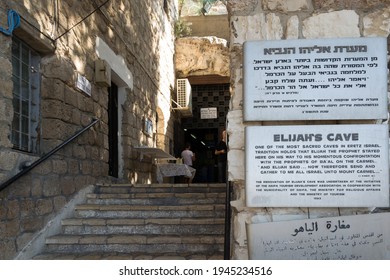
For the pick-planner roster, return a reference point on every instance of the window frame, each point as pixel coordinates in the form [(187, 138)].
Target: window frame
[(25, 128)]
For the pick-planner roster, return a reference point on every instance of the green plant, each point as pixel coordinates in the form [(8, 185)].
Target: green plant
[(182, 29)]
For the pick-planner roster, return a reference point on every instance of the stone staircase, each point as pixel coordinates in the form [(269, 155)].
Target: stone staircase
[(144, 222)]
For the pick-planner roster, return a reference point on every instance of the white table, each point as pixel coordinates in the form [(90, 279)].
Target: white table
[(154, 153), (174, 169)]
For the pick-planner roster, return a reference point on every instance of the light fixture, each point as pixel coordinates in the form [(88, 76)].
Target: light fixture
[(207, 4), (206, 7)]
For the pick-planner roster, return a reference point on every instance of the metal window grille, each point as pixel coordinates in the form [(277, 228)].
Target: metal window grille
[(25, 77)]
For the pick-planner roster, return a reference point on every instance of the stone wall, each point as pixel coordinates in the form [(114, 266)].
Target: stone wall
[(210, 25), (279, 20), (137, 40), (202, 56)]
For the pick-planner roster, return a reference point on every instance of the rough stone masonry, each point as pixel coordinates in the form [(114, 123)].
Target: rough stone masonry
[(279, 20)]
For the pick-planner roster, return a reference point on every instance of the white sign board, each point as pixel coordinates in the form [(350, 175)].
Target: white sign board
[(341, 78), (83, 84), (359, 237), (148, 127), (317, 166), (208, 113)]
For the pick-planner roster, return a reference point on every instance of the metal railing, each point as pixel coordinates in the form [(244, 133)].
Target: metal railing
[(228, 223), (46, 156)]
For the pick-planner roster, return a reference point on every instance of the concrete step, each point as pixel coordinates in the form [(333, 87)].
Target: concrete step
[(160, 188), (144, 226), (128, 256), (129, 244), (149, 211), (157, 198)]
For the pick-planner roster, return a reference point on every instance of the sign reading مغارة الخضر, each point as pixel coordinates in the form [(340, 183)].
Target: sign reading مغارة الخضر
[(317, 166), (334, 79)]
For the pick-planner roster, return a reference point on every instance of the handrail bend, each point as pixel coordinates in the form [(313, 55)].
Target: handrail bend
[(46, 156)]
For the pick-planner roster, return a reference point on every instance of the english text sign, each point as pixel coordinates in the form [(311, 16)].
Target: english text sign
[(317, 166)]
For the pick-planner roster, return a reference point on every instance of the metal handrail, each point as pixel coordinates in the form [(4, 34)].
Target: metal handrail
[(228, 217), (46, 156)]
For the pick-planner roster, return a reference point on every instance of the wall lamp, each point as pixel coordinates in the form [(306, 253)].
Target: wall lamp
[(207, 4), (206, 7)]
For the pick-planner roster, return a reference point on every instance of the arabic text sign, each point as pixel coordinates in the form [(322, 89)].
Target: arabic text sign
[(341, 78), (317, 166), (208, 113), (360, 237)]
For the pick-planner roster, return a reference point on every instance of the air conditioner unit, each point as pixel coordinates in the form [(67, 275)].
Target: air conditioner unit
[(184, 97)]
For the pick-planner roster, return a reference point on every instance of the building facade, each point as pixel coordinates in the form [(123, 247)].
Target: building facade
[(281, 20), (70, 62), (65, 64)]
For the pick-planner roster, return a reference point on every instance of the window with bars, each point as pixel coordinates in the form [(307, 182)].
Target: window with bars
[(26, 81)]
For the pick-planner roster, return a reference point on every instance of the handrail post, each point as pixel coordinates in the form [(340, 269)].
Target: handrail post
[(46, 156), (227, 221)]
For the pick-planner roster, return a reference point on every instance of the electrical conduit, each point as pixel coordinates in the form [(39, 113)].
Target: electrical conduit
[(13, 22)]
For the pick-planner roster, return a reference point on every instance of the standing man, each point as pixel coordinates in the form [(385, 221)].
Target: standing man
[(221, 153), (188, 157)]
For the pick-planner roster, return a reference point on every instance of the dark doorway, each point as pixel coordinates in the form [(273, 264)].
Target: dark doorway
[(203, 132), (113, 130), (203, 142)]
